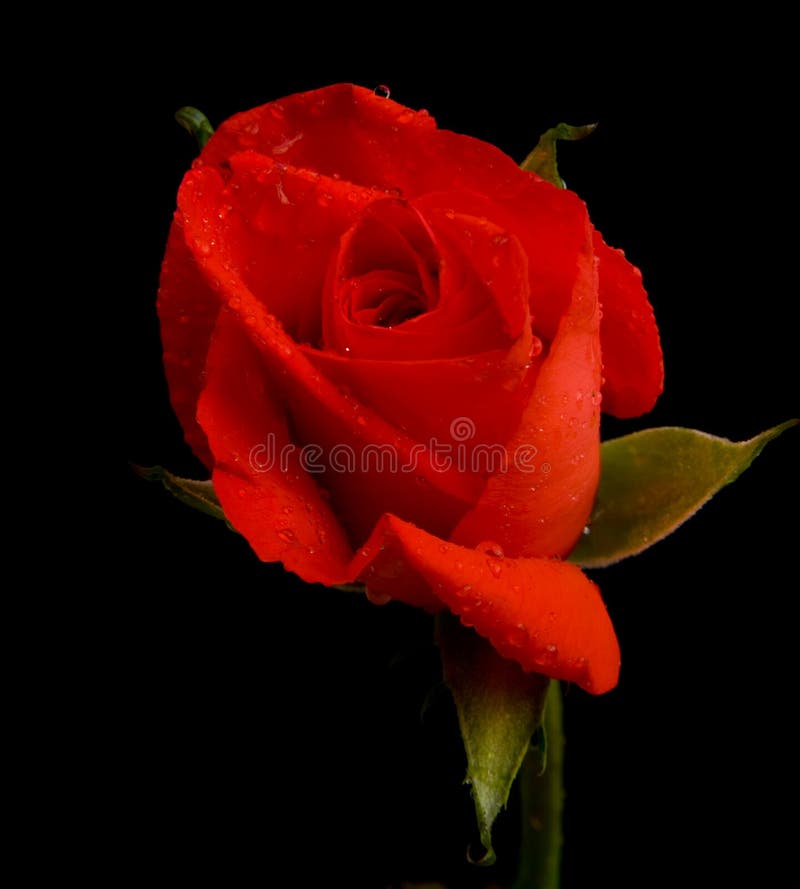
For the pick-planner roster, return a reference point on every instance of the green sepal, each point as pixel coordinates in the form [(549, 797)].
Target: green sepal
[(197, 494), (195, 123), (542, 160), (499, 709), (652, 481)]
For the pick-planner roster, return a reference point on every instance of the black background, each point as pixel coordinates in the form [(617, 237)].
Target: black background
[(254, 726)]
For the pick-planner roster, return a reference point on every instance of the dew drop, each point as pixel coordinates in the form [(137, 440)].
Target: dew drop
[(490, 548), (382, 91), (494, 567), (458, 565), (287, 535), (361, 420), (517, 636), (586, 530), (499, 240), (536, 347), (241, 493), (463, 592), (287, 510), (377, 598)]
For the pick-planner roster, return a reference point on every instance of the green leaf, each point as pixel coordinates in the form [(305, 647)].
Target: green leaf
[(195, 123), (542, 160), (499, 708), (652, 481), (198, 494)]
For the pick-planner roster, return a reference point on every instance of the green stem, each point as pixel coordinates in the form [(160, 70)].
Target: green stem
[(543, 804)]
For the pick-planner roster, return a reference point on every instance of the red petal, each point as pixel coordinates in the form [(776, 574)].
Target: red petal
[(480, 303), (265, 492), (340, 130), (547, 222), (187, 309), (540, 505), (454, 405), (280, 226), (544, 614), (633, 365)]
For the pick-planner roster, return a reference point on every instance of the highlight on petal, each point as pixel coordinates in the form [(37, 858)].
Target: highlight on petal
[(542, 613), (633, 365)]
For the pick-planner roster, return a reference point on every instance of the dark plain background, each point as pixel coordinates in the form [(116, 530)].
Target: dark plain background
[(259, 731)]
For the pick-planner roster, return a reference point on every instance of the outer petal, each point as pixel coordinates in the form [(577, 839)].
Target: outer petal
[(187, 309), (347, 132), (540, 505), (265, 492), (632, 362), (548, 222), (280, 227), (544, 614)]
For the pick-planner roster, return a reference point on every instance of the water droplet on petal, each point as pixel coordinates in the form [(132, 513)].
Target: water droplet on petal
[(495, 567), (377, 598), (382, 91), (536, 347), (287, 535), (517, 636), (490, 548), (241, 493), (287, 510)]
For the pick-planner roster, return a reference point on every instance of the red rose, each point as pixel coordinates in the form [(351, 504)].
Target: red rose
[(385, 341)]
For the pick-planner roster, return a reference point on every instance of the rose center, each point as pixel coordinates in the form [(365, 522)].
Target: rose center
[(386, 298)]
